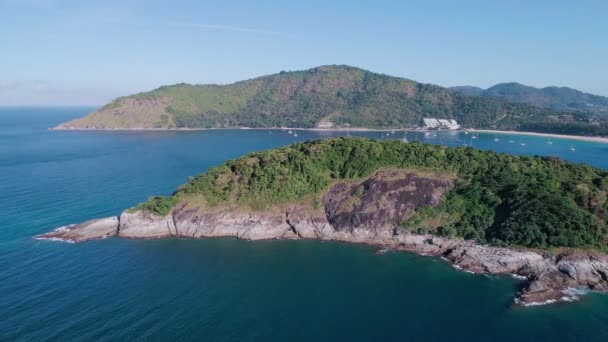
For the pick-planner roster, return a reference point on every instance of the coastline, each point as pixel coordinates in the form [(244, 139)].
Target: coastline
[(603, 140), (546, 278)]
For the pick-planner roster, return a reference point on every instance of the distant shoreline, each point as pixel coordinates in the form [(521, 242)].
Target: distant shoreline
[(548, 135), (342, 129)]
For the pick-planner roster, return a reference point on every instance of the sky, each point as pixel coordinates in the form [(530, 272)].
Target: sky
[(89, 52)]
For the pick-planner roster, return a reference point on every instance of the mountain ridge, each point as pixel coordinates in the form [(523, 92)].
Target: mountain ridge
[(343, 95), (553, 97), (326, 97)]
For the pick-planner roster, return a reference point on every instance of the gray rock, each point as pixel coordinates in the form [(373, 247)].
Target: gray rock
[(369, 213), (90, 230)]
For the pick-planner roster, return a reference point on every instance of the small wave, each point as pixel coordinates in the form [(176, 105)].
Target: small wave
[(462, 269), (571, 294), (54, 239), (548, 301)]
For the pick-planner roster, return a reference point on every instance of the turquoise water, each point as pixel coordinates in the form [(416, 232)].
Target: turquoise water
[(225, 289)]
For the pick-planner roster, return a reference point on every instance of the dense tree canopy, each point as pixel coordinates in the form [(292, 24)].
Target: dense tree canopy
[(343, 95), (537, 202)]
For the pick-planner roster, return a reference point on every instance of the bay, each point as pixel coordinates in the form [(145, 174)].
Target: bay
[(226, 289)]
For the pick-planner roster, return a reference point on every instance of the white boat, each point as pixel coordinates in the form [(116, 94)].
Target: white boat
[(572, 149), (295, 134), (496, 140), (289, 132)]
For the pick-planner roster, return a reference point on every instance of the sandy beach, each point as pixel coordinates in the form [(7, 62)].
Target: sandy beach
[(548, 135), (345, 129)]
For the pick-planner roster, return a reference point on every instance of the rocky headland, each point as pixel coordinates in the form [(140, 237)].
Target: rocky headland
[(367, 212)]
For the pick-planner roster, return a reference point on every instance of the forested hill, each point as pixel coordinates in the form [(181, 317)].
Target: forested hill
[(536, 202), (556, 98), (342, 95)]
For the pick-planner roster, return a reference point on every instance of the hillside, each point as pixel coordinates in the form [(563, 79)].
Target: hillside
[(556, 98), (535, 202), (342, 95)]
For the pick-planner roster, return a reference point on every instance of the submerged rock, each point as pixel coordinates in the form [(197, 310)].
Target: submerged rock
[(89, 230)]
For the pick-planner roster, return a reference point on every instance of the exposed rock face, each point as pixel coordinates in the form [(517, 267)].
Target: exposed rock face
[(387, 198), (145, 225), (90, 230), (368, 213)]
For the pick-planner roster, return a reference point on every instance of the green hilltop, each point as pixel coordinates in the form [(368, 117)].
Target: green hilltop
[(342, 95), (539, 202)]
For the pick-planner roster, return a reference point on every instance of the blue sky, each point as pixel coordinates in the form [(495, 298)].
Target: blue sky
[(88, 52)]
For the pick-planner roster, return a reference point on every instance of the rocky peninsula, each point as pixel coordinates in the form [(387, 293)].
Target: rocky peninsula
[(407, 208)]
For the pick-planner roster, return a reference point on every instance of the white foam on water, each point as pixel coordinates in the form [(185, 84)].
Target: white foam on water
[(571, 294), (462, 269), (54, 239), (549, 301)]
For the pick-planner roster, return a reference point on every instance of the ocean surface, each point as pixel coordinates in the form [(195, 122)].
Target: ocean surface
[(226, 289)]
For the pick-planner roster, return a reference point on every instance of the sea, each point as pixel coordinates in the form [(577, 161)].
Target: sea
[(228, 289)]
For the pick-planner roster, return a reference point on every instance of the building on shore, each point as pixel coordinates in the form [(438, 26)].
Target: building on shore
[(432, 123)]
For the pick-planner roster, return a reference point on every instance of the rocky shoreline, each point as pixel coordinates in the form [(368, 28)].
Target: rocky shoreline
[(370, 212), (548, 278)]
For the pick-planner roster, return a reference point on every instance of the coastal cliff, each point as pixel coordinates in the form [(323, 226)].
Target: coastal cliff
[(540, 219), (548, 278), (386, 198)]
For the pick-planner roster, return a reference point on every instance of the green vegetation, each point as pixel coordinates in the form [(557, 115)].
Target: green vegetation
[(158, 205), (556, 98), (341, 94), (538, 202)]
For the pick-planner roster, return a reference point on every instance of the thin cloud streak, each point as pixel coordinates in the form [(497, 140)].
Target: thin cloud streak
[(220, 27)]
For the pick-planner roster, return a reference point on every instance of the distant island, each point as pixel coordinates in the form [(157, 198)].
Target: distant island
[(539, 218), (327, 97)]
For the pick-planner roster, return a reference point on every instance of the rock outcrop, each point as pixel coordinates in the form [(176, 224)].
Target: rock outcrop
[(368, 212), (90, 230)]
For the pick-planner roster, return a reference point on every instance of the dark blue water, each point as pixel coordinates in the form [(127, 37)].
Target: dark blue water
[(225, 289)]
